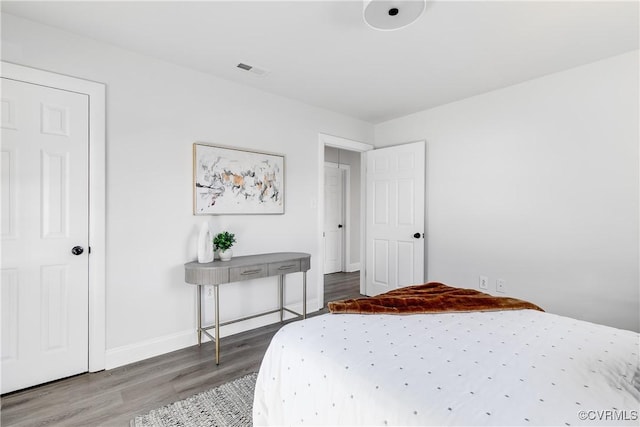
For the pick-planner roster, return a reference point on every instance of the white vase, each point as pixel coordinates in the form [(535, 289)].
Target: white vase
[(225, 255), (205, 244)]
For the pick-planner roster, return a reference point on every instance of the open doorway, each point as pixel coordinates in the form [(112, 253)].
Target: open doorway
[(341, 174), (341, 211), (395, 238)]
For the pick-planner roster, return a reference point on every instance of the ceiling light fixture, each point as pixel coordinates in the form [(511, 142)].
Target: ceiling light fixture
[(388, 15)]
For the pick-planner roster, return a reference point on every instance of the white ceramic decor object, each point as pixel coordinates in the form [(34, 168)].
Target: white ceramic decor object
[(205, 244)]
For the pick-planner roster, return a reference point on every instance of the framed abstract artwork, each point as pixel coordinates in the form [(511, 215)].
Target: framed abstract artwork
[(230, 181)]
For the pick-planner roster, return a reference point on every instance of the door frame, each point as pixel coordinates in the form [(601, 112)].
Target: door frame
[(96, 93), (346, 144), (346, 212)]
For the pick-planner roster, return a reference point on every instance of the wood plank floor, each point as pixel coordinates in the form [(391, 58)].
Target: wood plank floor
[(112, 398)]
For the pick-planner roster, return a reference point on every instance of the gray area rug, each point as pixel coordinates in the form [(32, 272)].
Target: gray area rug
[(227, 405)]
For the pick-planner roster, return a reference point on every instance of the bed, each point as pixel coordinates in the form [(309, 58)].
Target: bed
[(514, 367)]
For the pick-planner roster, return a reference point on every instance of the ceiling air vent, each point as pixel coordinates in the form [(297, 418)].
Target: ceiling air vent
[(260, 72)]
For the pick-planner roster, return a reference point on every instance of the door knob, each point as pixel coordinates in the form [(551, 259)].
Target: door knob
[(77, 250), (417, 235), (339, 225)]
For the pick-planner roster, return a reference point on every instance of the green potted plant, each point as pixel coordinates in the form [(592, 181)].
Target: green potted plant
[(223, 243)]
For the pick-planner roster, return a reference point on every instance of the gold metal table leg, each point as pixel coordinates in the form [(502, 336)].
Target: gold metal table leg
[(304, 295), (199, 311), (217, 298), (281, 296)]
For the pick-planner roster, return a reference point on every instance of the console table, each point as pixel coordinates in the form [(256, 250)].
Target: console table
[(240, 268)]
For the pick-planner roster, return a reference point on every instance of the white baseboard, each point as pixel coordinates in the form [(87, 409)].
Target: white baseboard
[(354, 266), (132, 353)]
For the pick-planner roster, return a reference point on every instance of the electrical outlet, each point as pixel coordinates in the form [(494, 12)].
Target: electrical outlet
[(501, 286), (483, 282), (209, 291)]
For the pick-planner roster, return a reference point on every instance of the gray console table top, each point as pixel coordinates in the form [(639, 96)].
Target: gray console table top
[(246, 267), (241, 261)]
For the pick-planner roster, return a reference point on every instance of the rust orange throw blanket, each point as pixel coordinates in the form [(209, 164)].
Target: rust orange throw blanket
[(431, 297)]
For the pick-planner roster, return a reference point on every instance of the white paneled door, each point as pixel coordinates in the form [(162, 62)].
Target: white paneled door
[(45, 263), (395, 217), (333, 218)]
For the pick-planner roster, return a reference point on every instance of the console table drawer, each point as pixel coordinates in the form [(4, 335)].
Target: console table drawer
[(247, 272), (284, 267)]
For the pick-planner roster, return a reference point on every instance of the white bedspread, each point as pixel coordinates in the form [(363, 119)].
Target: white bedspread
[(485, 368)]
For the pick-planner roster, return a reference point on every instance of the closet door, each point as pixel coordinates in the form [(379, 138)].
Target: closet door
[(45, 229)]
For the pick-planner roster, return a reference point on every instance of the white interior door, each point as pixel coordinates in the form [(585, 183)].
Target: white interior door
[(45, 137), (333, 218), (395, 197)]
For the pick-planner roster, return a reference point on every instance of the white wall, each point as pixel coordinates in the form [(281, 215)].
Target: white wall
[(155, 111), (352, 159), (537, 184)]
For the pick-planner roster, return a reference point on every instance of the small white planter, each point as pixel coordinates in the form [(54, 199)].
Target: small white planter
[(225, 255)]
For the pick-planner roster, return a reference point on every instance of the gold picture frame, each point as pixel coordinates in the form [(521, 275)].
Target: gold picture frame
[(232, 181)]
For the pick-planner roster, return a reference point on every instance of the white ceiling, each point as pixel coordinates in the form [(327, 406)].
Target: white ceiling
[(322, 53)]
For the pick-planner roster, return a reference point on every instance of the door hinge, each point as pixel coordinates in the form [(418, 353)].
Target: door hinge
[(89, 250)]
